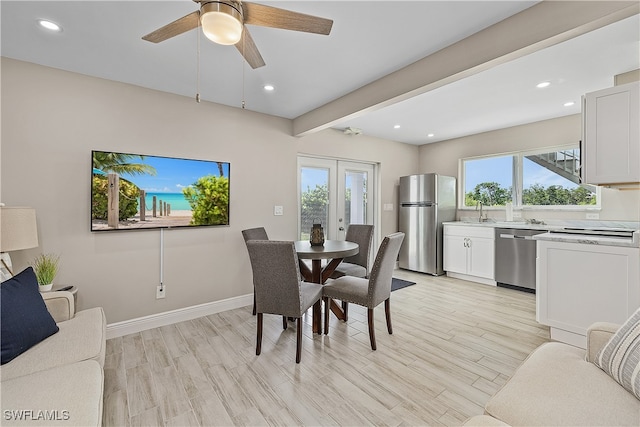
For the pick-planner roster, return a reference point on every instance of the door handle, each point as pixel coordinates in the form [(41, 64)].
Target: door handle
[(341, 228)]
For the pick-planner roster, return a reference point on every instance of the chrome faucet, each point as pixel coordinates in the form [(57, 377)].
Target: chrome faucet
[(479, 204)]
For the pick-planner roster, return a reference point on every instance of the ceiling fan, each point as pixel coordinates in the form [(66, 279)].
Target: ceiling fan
[(224, 22)]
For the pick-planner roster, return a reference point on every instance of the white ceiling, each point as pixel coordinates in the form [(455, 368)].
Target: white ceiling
[(369, 40)]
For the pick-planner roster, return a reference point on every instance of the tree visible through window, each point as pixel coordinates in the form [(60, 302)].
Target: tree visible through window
[(549, 178)]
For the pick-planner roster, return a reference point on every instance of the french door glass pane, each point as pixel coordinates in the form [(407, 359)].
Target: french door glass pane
[(314, 198), (355, 204)]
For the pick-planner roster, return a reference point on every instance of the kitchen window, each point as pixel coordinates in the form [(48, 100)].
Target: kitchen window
[(540, 179)]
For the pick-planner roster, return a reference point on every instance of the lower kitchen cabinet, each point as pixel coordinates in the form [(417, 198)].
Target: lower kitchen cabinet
[(469, 253), (579, 284)]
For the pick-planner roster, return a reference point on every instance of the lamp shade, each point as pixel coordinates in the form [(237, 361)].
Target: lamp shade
[(221, 23), (18, 229)]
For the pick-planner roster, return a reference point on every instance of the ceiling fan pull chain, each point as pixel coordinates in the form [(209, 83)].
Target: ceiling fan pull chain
[(243, 68), (198, 65)]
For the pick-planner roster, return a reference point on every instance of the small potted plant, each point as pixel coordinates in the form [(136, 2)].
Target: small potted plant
[(46, 267)]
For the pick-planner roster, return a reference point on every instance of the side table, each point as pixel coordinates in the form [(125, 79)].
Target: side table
[(73, 290)]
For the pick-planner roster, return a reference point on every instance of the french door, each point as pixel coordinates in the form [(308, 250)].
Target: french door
[(334, 193)]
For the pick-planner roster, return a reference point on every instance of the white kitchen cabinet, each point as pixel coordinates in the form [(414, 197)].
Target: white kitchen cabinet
[(611, 139), (469, 253), (579, 284)]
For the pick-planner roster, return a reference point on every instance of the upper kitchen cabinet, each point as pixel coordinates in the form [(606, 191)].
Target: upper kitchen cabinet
[(611, 139)]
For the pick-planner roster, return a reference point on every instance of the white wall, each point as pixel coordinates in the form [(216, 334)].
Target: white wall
[(52, 119), (443, 157)]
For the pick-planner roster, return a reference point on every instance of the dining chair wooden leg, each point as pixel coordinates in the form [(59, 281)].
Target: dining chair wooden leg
[(259, 334), (327, 309), (317, 308), (254, 304), (299, 341), (372, 331), (345, 309), (387, 312), (284, 322)]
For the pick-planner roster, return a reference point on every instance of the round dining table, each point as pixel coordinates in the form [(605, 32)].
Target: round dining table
[(334, 251)]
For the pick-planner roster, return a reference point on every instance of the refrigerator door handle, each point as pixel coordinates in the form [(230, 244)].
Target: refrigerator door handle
[(417, 204)]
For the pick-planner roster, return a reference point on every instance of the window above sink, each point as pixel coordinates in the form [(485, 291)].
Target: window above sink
[(541, 179)]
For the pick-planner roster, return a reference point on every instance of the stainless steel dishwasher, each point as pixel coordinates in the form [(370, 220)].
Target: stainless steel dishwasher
[(515, 258)]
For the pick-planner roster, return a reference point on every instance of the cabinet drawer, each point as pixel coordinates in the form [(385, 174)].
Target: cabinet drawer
[(469, 231)]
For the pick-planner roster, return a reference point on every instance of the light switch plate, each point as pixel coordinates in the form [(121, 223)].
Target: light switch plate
[(387, 207), (278, 210)]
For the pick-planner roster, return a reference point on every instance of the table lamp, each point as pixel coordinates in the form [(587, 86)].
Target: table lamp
[(18, 230)]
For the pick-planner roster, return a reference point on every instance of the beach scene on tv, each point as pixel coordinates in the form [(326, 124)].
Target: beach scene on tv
[(132, 191)]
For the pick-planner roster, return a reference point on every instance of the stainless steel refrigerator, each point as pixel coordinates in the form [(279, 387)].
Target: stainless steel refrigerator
[(426, 201)]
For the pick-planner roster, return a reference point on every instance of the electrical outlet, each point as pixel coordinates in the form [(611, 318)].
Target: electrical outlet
[(278, 210), (160, 292), (517, 214), (593, 216)]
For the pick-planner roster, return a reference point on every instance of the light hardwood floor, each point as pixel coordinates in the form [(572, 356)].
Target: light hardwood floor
[(454, 344)]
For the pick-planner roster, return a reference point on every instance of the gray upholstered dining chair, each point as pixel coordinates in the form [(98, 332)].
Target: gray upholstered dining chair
[(279, 288), (358, 264), (368, 292), (258, 233)]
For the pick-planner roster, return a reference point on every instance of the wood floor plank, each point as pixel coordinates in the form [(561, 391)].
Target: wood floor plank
[(115, 410), (133, 349), (170, 393), (209, 410), (192, 376), (455, 343), (141, 390)]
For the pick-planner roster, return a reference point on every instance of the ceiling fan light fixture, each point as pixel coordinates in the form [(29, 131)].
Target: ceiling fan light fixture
[(221, 22)]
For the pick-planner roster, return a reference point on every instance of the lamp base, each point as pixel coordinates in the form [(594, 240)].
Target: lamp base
[(6, 271)]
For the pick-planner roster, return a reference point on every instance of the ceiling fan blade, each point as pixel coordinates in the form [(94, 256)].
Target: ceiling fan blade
[(269, 16), (249, 50), (175, 28)]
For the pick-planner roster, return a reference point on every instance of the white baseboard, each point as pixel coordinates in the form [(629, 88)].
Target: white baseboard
[(132, 326)]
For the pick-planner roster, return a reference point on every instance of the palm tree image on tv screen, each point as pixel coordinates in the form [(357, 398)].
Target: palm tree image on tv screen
[(134, 191)]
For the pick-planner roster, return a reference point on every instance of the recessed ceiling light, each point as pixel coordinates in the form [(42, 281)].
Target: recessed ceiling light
[(543, 84), (269, 88), (51, 26), (430, 135), (396, 126), (569, 104)]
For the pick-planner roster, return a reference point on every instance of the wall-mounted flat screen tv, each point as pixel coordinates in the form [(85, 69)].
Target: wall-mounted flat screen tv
[(135, 191)]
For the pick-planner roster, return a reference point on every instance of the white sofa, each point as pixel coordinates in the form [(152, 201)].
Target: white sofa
[(559, 385), (59, 381)]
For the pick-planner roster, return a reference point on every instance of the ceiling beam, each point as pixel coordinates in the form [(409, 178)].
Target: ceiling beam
[(545, 24)]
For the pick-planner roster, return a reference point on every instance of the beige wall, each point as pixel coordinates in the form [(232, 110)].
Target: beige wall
[(51, 120), (442, 157)]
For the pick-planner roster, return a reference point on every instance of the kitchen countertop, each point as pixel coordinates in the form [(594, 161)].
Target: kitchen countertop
[(506, 224), (555, 225), (592, 240)]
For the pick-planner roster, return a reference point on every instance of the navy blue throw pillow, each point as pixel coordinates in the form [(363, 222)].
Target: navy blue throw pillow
[(24, 318)]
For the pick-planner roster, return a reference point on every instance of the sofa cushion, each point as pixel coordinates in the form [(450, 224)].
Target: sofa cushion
[(620, 357), (24, 318), (66, 395), (557, 386), (80, 338)]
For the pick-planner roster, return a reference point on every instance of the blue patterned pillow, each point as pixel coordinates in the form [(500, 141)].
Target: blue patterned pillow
[(24, 318), (620, 357)]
